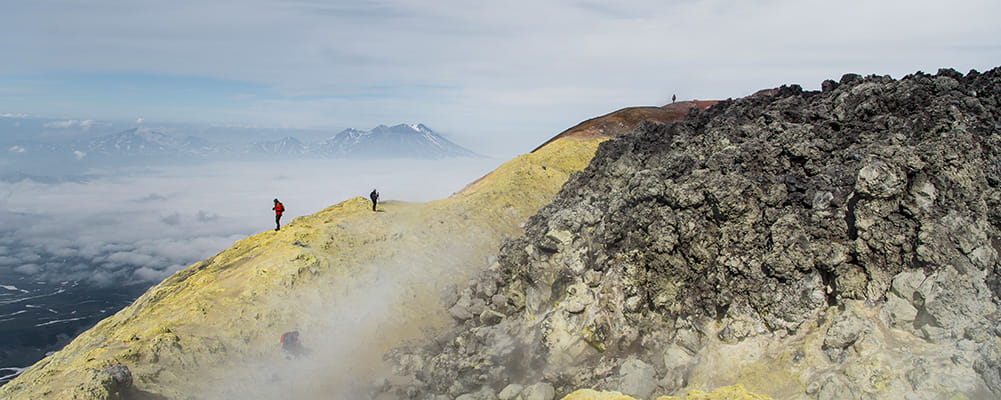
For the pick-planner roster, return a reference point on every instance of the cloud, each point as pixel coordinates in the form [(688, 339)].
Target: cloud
[(153, 275), (172, 219), (152, 197), (79, 154), (85, 124), (16, 149), (139, 120), (205, 216), (490, 71), (28, 269), (13, 115), (130, 258)]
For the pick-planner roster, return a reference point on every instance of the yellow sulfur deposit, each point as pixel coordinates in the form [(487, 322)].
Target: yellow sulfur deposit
[(591, 394), (735, 392), (321, 274)]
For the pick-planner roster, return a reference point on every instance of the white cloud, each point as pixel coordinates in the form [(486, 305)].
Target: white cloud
[(154, 275), (13, 115), (84, 124), (28, 269), (491, 71), (131, 258), (16, 149), (79, 154), (139, 120)]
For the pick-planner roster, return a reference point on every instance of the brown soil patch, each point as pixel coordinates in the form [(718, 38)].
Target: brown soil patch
[(625, 120)]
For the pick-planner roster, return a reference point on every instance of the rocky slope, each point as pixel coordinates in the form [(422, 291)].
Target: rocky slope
[(840, 244), (354, 283)]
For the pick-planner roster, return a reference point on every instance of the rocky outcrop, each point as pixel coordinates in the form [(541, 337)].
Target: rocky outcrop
[(840, 244)]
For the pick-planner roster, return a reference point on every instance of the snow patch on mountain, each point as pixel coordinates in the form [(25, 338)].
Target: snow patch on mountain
[(398, 141)]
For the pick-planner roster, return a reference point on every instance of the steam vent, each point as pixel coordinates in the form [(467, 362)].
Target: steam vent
[(833, 244)]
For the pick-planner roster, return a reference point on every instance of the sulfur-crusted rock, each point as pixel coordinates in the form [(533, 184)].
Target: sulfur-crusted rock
[(113, 382), (817, 245), (591, 394), (735, 392), (846, 329)]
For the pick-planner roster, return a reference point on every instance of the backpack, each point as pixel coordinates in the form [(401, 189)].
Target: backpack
[(290, 338)]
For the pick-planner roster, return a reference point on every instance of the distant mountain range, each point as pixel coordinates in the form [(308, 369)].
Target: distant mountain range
[(400, 141), (142, 142)]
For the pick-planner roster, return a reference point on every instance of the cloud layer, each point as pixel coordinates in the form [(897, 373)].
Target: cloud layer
[(490, 70)]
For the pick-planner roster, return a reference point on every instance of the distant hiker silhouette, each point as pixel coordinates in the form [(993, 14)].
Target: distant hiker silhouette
[(291, 344), (375, 198), (279, 209), (674, 98)]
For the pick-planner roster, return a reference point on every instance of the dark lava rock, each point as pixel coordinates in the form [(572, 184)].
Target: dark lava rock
[(760, 217)]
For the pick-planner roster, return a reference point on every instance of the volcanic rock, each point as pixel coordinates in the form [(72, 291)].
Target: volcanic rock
[(809, 245)]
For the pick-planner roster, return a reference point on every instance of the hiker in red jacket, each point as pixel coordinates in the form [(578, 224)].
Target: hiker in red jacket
[(279, 209), (291, 344)]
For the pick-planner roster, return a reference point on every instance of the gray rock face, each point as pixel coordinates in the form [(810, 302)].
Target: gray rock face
[(637, 378), (510, 392), (538, 391), (868, 214), (117, 379)]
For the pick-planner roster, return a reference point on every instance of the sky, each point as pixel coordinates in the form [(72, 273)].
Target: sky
[(498, 77)]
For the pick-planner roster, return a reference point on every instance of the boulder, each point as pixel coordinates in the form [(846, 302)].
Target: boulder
[(538, 391), (637, 378)]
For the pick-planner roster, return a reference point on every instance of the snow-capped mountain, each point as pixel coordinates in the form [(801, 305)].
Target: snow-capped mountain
[(146, 142), (399, 141), (288, 146), (339, 144)]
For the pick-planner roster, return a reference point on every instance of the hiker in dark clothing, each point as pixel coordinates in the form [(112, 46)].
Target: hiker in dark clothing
[(674, 98), (279, 209), (291, 344), (375, 198)]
